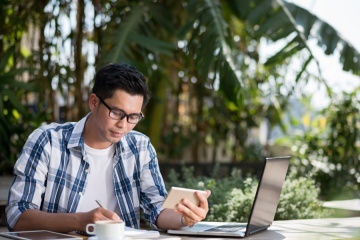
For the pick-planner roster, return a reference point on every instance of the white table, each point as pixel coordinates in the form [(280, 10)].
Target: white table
[(351, 204), (327, 228)]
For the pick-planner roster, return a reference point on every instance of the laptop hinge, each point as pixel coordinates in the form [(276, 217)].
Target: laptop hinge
[(257, 230)]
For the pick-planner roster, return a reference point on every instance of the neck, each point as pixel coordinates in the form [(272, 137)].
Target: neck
[(92, 138)]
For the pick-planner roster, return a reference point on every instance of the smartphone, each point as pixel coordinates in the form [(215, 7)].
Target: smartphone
[(177, 193)]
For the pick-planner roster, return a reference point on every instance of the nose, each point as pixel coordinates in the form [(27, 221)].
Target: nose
[(122, 122)]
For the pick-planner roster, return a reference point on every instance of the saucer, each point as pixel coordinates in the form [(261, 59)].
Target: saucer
[(96, 238)]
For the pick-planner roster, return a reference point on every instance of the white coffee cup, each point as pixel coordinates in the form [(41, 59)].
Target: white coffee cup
[(107, 229)]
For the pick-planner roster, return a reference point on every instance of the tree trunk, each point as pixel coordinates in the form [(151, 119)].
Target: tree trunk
[(79, 64)]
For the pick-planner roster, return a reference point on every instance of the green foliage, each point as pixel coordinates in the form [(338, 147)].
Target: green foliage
[(231, 197), (299, 199), (16, 120), (329, 149), (183, 45), (210, 48)]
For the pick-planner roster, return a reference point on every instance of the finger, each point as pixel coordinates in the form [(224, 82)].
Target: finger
[(186, 205), (188, 222), (203, 203), (208, 193), (191, 212), (110, 215), (192, 219)]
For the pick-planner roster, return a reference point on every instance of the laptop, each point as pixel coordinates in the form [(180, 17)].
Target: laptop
[(263, 208)]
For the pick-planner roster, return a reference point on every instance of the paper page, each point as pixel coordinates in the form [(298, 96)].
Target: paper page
[(139, 233)]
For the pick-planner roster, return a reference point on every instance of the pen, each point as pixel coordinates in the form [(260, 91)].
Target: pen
[(98, 202)]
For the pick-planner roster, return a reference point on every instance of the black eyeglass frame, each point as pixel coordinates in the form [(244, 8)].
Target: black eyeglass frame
[(122, 113)]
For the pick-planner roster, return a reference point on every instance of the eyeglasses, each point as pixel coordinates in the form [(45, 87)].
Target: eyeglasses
[(119, 114)]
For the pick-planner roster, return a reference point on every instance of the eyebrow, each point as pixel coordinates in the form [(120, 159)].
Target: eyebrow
[(115, 108), (119, 109)]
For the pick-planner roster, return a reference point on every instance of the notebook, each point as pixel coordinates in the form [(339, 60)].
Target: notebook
[(263, 208)]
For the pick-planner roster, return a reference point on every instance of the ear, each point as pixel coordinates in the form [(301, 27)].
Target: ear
[(93, 101)]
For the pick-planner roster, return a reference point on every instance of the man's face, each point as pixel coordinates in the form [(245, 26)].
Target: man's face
[(107, 130)]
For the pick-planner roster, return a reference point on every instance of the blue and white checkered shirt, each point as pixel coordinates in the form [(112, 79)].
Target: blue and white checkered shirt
[(51, 175)]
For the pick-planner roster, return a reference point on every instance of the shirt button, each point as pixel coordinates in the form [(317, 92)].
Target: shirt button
[(80, 193), (87, 171)]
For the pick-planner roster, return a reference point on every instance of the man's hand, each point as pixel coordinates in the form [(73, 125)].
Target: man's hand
[(192, 213), (96, 215), (33, 219)]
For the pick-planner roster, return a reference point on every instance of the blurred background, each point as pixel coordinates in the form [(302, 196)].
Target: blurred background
[(232, 82)]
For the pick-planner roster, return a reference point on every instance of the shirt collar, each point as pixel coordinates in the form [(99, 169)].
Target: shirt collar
[(77, 137)]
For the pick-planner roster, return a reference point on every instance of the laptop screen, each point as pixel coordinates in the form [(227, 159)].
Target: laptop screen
[(263, 208), (268, 194)]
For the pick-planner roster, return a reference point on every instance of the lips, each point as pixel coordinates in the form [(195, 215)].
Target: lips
[(116, 134)]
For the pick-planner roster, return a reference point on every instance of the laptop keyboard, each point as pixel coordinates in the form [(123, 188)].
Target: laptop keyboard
[(228, 228)]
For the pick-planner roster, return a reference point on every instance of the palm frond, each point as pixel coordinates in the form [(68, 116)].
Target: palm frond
[(5, 58), (120, 39), (278, 20), (133, 34), (14, 101), (211, 48)]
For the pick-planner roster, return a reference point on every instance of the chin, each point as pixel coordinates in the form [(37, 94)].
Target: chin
[(115, 139)]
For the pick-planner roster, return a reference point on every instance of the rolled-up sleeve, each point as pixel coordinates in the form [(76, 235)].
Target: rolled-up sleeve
[(138, 181), (30, 173), (153, 191)]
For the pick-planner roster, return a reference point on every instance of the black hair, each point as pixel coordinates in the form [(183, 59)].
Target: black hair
[(120, 76)]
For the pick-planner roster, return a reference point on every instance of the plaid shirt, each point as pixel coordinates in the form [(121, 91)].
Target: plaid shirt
[(51, 175)]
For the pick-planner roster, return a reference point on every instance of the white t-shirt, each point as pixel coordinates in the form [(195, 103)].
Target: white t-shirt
[(100, 184)]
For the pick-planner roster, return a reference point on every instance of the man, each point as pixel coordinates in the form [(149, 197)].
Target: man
[(64, 168)]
